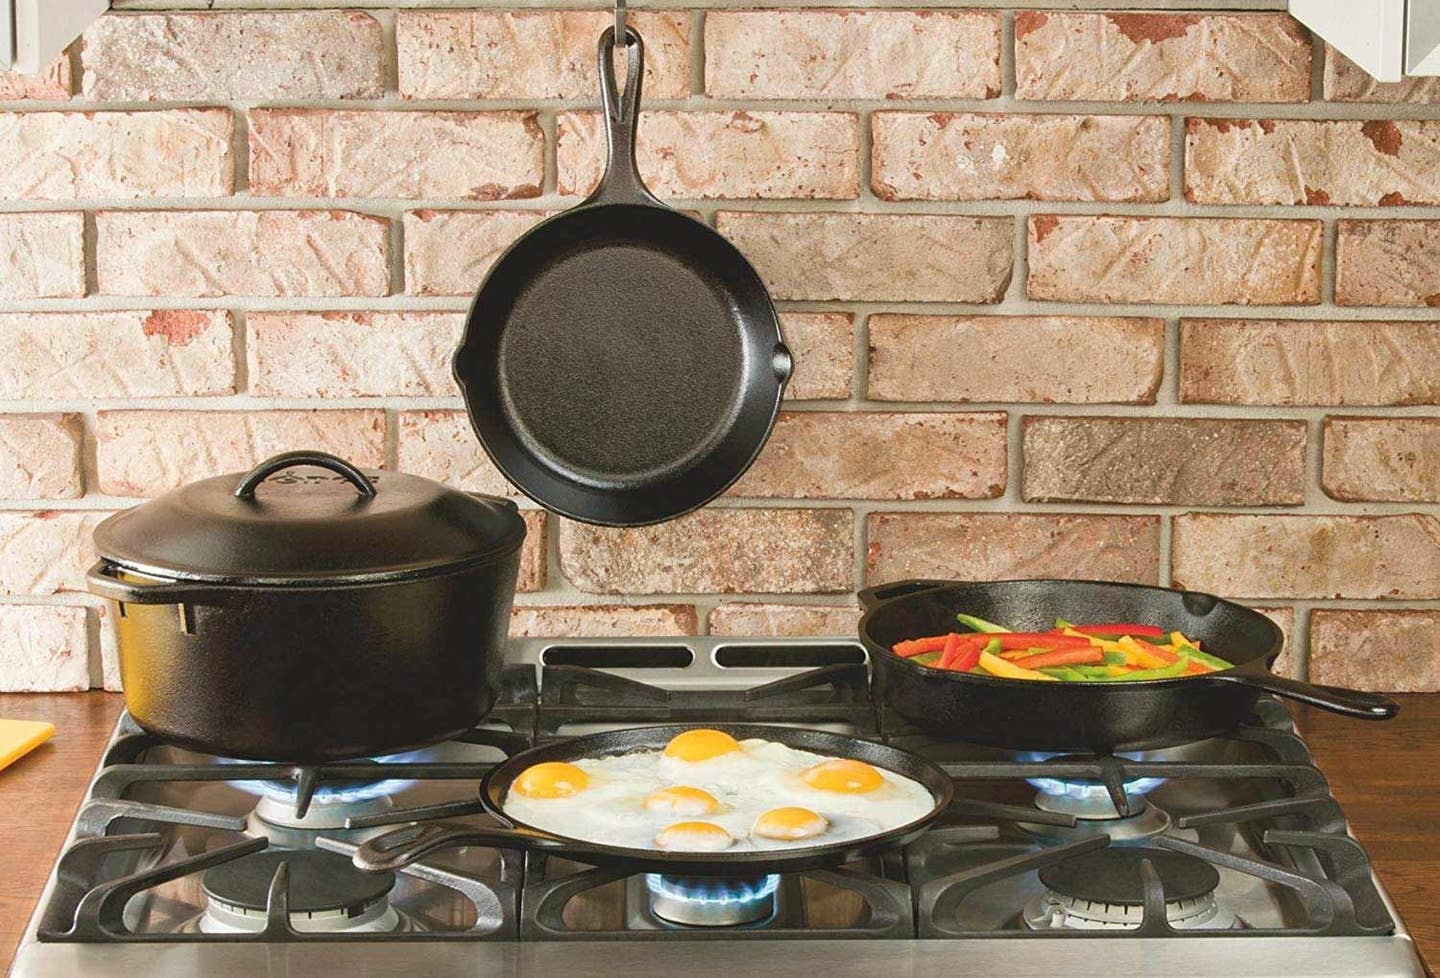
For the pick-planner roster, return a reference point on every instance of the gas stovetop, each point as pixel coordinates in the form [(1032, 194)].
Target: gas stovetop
[(1224, 857)]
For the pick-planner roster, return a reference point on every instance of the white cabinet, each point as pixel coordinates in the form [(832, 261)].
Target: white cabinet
[(1388, 38), (32, 32)]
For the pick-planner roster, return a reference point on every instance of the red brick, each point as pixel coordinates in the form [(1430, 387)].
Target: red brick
[(1003, 546), (46, 552), (876, 257), (42, 256), (533, 555), (518, 54), (1306, 161), (839, 54), (215, 253), (602, 620), (321, 54), (76, 155), (1388, 459), (715, 551), (1064, 359), (1165, 461), (870, 455), (324, 153), (969, 156), (144, 453), (1303, 362), (1345, 81), (1394, 651), (782, 620), (722, 154), (1388, 263), (441, 445), (1286, 664), (1308, 556), (80, 355), (40, 456), (1131, 57), (352, 354), (1174, 260), (43, 648), (822, 344), (449, 252), (53, 84)]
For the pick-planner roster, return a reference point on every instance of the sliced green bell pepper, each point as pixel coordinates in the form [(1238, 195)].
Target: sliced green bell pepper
[(979, 624)]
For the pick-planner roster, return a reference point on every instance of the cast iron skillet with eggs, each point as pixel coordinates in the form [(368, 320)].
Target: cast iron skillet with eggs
[(807, 846)]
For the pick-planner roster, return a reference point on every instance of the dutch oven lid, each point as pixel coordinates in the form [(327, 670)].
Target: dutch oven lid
[(309, 518)]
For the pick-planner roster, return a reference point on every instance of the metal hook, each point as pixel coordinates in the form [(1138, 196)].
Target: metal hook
[(620, 36)]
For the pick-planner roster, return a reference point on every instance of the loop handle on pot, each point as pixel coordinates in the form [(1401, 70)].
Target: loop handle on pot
[(621, 181), (103, 580), (285, 460)]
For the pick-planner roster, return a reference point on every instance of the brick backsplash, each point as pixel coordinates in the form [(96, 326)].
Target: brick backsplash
[(1147, 295)]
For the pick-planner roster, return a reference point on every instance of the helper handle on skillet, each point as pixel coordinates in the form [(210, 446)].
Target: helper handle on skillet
[(1350, 702), (880, 593), (621, 183), (400, 847)]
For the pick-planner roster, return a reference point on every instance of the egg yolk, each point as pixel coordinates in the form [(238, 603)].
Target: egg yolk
[(845, 776), (701, 745), (694, 837), (553, 779), (790, 823), (681, 800)]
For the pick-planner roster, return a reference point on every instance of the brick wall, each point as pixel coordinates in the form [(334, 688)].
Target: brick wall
[(1145, 296)]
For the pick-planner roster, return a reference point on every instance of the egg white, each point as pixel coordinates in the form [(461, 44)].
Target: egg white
[(760, 776)]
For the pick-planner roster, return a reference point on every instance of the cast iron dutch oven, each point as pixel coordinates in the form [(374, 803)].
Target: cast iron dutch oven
[(401, 847), (1083, 717), (310, 614)]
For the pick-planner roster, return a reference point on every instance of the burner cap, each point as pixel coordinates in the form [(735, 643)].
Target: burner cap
[(1112, 875), (319, 881)]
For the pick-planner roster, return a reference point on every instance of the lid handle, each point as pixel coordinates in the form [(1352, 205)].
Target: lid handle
[(285, 460)]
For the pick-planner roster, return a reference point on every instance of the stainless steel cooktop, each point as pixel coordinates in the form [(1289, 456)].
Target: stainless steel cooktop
[(1225, 857)]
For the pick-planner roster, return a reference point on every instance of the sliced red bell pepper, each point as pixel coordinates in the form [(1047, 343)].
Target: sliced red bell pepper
[(962, 651), (1038, 640), (918, 646), (1062, 657), (1120, 628)]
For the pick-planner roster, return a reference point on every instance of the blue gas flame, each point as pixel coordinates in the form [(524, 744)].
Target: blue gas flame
[(709, 890), (1084, 789)]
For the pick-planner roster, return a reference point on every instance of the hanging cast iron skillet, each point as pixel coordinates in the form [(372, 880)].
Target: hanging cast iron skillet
[(1084, 717), (401, 847), (622, 363)]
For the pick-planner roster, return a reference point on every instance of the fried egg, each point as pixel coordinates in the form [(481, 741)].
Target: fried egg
[(789, 824), (694, 837), (707, 792)]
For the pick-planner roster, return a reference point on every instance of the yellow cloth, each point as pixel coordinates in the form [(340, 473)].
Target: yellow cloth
[(20, 737)]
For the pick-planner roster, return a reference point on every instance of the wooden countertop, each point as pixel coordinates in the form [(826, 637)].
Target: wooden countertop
[(1382, 773)]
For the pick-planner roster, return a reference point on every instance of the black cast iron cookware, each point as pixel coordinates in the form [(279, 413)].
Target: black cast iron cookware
[(1083, 717), (622, 363), (308, 611), (401, 847)]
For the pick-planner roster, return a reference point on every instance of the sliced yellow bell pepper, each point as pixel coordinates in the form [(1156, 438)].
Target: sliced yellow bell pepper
[(1136, 654), (1177, 639), (997, 666)]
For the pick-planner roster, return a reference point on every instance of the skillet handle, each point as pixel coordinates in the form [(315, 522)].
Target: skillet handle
[(880, 593), (400, 847), (1336, 699), (621, 182)]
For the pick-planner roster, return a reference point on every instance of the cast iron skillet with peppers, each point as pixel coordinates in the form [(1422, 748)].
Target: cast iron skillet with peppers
[(988, 687)]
